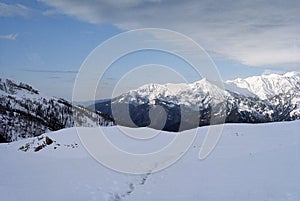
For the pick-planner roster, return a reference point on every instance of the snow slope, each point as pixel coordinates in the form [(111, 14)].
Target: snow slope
[(252, 162)]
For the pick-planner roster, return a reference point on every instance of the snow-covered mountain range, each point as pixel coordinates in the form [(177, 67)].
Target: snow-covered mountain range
[(25, 112), (266, 98)]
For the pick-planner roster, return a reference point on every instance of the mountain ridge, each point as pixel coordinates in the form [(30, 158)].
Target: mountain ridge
[(256, 99), (25, 112)]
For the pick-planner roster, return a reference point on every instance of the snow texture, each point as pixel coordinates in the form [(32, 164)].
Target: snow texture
[(251, 162)]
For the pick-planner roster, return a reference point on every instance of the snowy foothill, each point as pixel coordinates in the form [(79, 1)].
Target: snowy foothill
[(251, 162)]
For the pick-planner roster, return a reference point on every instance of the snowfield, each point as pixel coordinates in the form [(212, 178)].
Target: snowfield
[(252, 162)]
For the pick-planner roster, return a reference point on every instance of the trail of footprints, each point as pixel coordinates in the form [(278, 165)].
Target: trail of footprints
[(131, 188)]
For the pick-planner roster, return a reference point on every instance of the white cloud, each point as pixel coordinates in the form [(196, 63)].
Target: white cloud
[(255, 33), (9, 37), (8, 10)]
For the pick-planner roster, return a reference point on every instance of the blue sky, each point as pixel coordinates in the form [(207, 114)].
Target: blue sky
[(45, 42)]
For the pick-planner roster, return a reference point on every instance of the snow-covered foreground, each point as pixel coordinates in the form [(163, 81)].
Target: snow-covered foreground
[(250, 163)]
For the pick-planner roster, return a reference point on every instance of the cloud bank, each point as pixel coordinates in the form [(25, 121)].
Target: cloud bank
[(254, 33)]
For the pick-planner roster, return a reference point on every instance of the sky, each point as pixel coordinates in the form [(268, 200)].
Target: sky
[(45, 42)]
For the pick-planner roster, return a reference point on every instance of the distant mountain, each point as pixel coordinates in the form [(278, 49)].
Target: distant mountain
[(88, 103), (258, 99), (25, 112), (268, 86)]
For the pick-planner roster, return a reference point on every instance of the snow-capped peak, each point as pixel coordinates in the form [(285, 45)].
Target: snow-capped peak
[(267, 86), (263, 87), (179, 93), (292, 74), (255, 99)]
